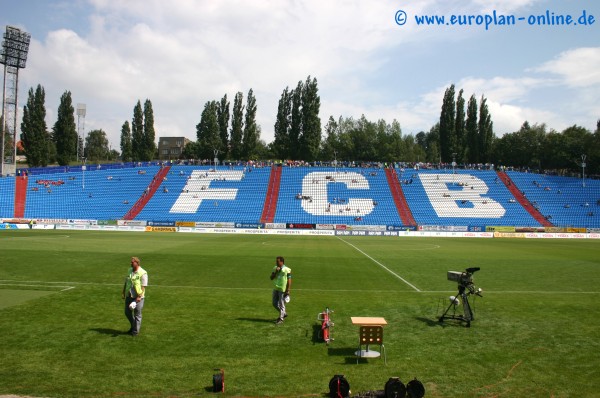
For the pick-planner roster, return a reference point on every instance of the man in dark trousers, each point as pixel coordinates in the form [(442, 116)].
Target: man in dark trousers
[(282, 279), (134, 292)]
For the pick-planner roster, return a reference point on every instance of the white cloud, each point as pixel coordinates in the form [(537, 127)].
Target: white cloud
[(508, 118), (578, 67), (504, 6), (502, 89), (180, 56)]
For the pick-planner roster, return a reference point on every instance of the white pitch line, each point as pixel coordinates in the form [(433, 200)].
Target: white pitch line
[(50, 284), (65, 288), (381, 265)]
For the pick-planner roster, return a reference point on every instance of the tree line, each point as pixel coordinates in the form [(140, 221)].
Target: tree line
[(464, 133), (62, 144), (467, 135), (217, 137), (137, 139)]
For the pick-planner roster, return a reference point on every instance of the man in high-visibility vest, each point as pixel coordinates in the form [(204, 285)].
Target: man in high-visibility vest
[(282, 280), (134, 292)]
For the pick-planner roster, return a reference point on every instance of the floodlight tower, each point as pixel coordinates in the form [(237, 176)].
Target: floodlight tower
[(13, 56), (583, 170), (335, 160), (80, 128), (453, 166), (216, 159)]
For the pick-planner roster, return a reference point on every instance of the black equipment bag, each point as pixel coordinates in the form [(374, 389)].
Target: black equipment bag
[(415, 389), (394, 388), (339, 387), (219, 382)]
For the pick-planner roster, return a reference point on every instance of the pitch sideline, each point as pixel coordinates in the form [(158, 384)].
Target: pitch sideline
[(381, 265)]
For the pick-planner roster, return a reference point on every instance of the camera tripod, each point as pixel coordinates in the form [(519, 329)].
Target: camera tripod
[(463, 293)]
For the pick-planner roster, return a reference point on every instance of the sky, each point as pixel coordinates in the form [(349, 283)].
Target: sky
[(370, 58)]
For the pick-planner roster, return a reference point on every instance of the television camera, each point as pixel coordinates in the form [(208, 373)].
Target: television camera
[(466, 288)]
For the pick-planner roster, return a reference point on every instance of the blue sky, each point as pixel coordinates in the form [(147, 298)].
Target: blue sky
[(182, 53)]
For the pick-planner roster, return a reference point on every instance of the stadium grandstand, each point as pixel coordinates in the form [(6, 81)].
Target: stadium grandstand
[(253, 195)]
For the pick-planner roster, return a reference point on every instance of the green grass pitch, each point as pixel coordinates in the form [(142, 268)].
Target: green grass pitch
[(536, 332)]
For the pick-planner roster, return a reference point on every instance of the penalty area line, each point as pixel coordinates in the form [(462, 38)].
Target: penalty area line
[(63, 288), (381, 265)]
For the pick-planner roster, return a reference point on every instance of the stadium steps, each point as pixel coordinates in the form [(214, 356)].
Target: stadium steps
[(523, 200), (20, 196), (145, 198), (399, 199), (270, 206)]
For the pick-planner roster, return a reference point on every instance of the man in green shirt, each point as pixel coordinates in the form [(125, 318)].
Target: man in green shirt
[(282, 279), (134, 292)]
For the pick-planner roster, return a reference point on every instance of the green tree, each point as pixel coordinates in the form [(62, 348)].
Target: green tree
[(191, 150), (137, 134), (310, 139), (364, 134), (281, 142), (411, 146), (330, 146), (237, 126), (433, 149), (263, 151), (296, 122), (553, 154), (397, 143), (34, 132), (447, 125), (594, 152), (521, 148), (577, 141), (223, 117), (64, 132), (459, 128), (207, 131), (472, 131), (149, 146), (345, 138), (421, 139), (96, 146), (251, 133), (126, 150), (486, 132)]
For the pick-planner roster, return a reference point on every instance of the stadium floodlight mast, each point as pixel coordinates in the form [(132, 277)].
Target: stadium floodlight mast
[(583, 170), (80, 128), (13, 56), (216, 159), (83, 168), (335, 160), (453, 165)]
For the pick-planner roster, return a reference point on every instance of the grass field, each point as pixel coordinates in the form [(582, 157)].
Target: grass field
[(536, 333)]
